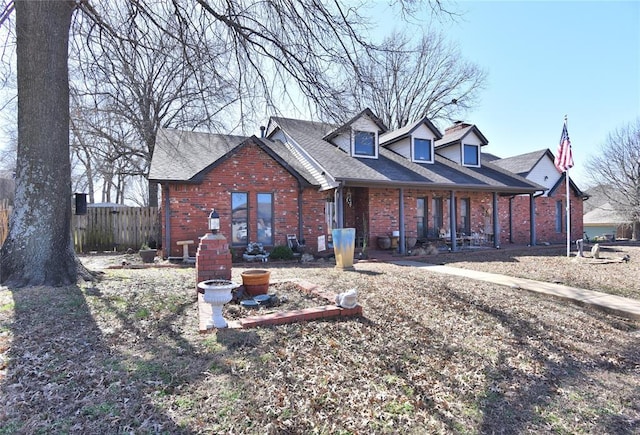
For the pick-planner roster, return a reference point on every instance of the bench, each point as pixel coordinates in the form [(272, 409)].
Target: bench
[(185, 249)]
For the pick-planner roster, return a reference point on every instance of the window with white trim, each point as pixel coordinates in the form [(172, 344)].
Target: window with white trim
[(422, 150), (470, 155), (364, 143)]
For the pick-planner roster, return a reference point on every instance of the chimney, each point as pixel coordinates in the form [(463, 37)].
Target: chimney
[(457, 125), (262, 129)]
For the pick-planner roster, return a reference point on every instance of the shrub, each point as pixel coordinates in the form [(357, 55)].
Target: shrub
[(281, 252)]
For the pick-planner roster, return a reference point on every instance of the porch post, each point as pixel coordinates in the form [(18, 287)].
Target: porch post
[(166, 249), (340, 207), (532, 220), (496, 234), (452, 220), (401, 242)]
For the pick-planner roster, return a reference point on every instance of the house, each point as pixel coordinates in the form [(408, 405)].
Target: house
[(601, 219), (550, 205), (604, 222), (305, 178)]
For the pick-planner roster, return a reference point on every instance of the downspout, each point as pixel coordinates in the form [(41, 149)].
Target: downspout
[(340, 206), (300, 216), (167, 222), (511, 219), (532, 220), (401, 244), (496, 235), (452, 221)]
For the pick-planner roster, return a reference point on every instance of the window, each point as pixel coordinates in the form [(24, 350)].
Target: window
[(437, 215), (465, 222), (265, 218), (558, 216), (422, 150), (239, 228), (471, 155), (421, 217), (364, 143)]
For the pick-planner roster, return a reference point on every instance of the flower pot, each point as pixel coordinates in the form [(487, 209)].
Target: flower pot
[(384, 242), (256, 281), (148, 255), (344, 242)]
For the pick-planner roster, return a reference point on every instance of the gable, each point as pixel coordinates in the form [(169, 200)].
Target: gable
[(536, 166), (361, 130), (454, 151), (407, 144), (179, 155), (187, 156)]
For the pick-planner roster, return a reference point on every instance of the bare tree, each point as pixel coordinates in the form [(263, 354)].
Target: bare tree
[(403, 81), (618, 162), (300, 43), (136, 78), (38, 248)]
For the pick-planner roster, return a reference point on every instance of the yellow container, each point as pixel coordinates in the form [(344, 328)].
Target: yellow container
[(344, 242)]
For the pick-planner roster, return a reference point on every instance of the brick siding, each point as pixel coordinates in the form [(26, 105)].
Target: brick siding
[(250, 169)]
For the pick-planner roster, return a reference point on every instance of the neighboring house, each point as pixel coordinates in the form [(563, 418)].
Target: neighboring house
[(605, 222), (550, 205), (306, 177), (601, 219)]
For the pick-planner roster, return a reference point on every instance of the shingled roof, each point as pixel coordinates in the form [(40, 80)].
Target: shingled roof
[(183, 156), (186, 155), (392, 169), (393, 136), (458, 132), (524, 163)]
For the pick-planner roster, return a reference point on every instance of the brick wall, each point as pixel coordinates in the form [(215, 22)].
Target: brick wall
[(545, 218), (248, 169), (545, 214), (383, 212)]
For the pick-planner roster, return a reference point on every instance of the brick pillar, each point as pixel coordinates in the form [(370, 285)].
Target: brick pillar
[(213, 258)]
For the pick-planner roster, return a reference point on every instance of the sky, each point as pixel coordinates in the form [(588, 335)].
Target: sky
[(548, 59), (544, 60)]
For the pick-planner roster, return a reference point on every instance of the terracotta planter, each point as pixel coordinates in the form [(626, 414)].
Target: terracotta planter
[(256, 281)]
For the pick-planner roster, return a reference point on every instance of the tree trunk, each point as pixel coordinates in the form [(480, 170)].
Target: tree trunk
[(38, 250)]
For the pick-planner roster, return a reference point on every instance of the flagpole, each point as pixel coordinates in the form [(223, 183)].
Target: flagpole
[(566, 180)]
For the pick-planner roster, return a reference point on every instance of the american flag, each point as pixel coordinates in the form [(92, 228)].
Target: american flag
[(564, 158)]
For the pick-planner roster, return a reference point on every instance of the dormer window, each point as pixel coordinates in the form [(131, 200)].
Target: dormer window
[(422, 150), (471, 155), (364, 143)]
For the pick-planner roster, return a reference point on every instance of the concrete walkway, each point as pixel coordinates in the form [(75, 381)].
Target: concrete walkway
[(618, 305)]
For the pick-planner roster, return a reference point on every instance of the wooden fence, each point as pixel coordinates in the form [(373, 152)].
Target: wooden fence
[(5, 212), (106, 229)]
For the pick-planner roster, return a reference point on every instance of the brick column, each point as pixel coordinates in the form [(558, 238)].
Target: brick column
[(213, 258)]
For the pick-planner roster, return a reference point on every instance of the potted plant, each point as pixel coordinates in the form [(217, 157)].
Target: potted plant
[(147, 254)]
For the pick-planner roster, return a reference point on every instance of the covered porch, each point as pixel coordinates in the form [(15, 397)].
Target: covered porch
[(410, 216)]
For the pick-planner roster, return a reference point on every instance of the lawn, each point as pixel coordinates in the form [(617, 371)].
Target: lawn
[(431, 354)]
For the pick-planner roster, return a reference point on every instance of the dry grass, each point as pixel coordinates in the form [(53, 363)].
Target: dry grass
[(432, 354)]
